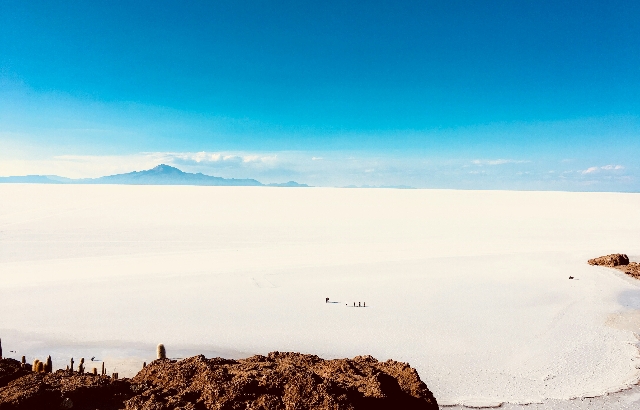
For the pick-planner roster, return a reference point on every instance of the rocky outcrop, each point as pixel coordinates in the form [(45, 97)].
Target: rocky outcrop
[(287, 381), (616, 259), (632, 269), (10, 370), (62, 390)]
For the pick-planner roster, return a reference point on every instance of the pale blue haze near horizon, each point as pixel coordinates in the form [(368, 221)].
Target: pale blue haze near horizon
[(461, 94)]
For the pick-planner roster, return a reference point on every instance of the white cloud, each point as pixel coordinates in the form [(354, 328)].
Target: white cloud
[(612, 167), (316, 158), (590, 170), (251, 158), (200, 156), (593, 170)]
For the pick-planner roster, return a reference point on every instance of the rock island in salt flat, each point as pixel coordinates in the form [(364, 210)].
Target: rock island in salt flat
[(619, 261), (468, 287), (277, 381)]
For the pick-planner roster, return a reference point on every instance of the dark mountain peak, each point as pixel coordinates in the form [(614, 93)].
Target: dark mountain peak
[(165, 169)]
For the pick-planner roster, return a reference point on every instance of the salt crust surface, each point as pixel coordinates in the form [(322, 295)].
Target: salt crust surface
[(469, 287)]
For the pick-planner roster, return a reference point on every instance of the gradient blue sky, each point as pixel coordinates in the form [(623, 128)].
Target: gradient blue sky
[(456, 94)]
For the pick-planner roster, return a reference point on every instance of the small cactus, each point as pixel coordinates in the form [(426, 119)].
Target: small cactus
[(161, 351), (81, 366), (0, 348), (71, 367), (103, 372), (23, 361), (95, 371), (48, 368)]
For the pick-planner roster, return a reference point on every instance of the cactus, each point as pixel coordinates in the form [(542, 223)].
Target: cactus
[(114, 376), (95, 371), (81, 366), (144, 364), (71, 367), (161, 351), (103, 372), (24, 360), (0, 348), (40, 367), (34, 367), (48, 368)]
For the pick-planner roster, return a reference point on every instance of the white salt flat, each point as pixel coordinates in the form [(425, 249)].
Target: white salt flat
[(469, 287)]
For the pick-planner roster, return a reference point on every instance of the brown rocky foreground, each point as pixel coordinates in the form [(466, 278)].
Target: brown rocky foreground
[(618, 261), (288, 381)]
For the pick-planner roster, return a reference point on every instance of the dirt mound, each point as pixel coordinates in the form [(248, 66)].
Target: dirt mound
[(62, 390), (632, 269), (287, 381), (616, 259), (10, 370)]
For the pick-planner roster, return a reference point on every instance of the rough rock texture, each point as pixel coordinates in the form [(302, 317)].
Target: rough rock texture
[(287, 381), (612, 260), (10, 370), (62, 390), (632, 269), (619, 261)]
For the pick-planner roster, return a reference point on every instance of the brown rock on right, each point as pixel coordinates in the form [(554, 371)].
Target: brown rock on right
[(616, 259), (632, 269)]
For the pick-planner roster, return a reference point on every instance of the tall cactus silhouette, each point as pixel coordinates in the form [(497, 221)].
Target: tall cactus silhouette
[(48, 368), (161, 352), (34, 367), (0, 348), (81, 366)]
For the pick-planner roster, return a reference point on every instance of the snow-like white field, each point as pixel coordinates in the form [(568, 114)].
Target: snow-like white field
[(469, 287)]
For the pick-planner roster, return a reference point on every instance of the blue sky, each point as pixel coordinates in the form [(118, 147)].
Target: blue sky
[(459, 94)]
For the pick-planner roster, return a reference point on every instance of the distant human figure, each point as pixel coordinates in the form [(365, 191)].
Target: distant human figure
[(359, 304), (326, 300), (354, 304), (364, 304)]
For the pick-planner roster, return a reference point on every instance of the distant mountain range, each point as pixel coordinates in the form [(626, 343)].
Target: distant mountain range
[(160, 175)]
